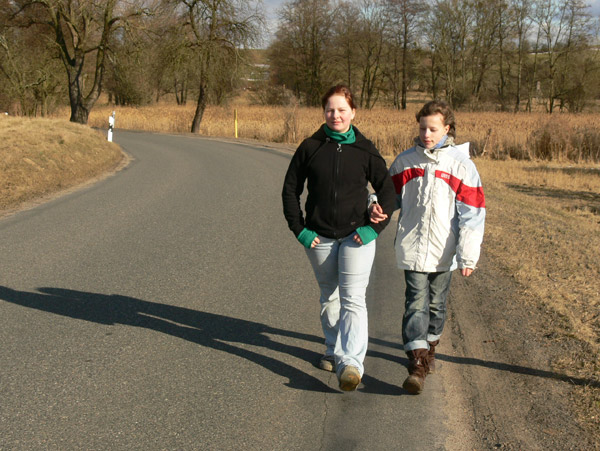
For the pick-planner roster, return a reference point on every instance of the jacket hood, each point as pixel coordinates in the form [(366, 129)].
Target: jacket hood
[(449, 142)]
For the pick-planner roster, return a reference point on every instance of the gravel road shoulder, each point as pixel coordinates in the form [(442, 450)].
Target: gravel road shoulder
[(499, 357)]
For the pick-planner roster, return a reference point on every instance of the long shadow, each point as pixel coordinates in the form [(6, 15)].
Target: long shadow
[(484, 363), (222, 333), (556, 193), (520, 370), (206, 329), (565, 170)]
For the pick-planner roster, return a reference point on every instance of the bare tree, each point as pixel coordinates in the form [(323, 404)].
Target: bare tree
[(345, 26), (300, 52), (449, 26), (484, 41), (81, 30), (405, 17), (522, 23), (369, 49), (30, 71), (217, 28), (562, 28)]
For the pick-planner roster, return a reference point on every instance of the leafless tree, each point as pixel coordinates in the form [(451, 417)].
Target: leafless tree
[(81, 30), (405, 17), (369, 49), (218, 29), (302, 51)]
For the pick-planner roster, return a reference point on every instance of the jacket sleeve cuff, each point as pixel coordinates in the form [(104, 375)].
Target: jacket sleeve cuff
[(306, 237), (367, 234)]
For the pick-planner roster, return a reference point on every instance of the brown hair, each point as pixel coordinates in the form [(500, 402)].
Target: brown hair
[(339, 90), (439, 106)]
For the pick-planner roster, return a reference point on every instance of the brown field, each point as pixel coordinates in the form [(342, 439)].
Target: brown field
[(560, 137), (543, 228), (42, 156)]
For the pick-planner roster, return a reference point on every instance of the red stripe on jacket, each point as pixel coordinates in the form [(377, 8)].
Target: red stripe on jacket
[(406, 176), (470, 195)]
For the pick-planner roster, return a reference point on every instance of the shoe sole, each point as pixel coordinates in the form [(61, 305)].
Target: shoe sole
[(326, 365), (349, 381), (412, 385)]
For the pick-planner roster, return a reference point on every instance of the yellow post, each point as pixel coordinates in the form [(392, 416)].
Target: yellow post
[(235, 121)]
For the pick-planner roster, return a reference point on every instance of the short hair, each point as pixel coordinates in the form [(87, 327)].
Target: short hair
[(339, 90), (439, 106)]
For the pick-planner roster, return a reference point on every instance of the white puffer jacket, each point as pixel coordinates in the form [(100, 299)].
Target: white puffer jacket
[(442, 208)]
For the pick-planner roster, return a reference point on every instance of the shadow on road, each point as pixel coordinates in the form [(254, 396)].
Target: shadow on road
[(483, 363), (520, 370), (206, 329), (222, 333)]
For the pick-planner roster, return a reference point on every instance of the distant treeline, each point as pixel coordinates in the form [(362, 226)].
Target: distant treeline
[(510, 55)]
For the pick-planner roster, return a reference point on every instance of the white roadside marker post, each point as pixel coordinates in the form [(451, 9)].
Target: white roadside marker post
[(111, 126)]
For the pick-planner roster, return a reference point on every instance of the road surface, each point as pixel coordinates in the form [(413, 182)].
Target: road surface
[(169, 307)]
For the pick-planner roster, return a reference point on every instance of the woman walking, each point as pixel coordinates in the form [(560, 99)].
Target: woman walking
[(337, 162)]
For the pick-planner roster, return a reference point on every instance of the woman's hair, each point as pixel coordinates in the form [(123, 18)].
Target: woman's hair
[(439, 106), (339, 90)]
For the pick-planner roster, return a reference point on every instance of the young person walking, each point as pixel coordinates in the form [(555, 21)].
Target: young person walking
[(440, 228), (337, 162)]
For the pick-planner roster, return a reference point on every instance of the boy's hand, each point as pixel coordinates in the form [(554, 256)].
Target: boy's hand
[(466, 272), (376, 213)]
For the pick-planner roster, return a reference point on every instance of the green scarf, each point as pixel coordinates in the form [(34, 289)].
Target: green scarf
[(342, 138)]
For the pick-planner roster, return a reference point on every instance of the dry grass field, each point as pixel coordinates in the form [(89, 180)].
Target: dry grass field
[(559, 137), (543, 228), (42, 156)]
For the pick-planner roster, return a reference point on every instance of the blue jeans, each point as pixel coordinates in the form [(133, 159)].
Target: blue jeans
[(342, 268), (425, 308)]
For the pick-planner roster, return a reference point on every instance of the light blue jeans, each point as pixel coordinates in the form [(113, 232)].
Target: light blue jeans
[(425, 308), (342, 268)]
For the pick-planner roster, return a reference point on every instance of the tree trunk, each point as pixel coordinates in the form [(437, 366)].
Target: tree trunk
[(200, 107), (79, 114), (80, 110), (404, 64)]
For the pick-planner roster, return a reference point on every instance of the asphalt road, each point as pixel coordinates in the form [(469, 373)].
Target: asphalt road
[(169, 307)]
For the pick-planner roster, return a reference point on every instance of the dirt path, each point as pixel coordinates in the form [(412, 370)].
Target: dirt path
[(497, 359)]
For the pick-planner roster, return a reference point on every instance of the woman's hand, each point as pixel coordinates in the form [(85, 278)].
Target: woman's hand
[(466, 272), (315, 242), (376, 214), (357, 239)]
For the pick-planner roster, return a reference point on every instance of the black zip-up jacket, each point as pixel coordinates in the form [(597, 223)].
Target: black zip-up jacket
[(337, 176)]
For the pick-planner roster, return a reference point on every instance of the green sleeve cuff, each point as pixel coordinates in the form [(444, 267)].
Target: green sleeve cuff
[(366, 234), (306, 237)]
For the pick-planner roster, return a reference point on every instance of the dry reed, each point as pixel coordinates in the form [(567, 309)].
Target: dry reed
[(535, 136)]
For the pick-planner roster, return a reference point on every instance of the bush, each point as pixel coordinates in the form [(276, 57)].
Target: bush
[(553, 141)]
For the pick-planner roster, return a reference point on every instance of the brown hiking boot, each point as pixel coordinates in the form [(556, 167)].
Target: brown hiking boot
[(349, 378), (417, 371), (431, 356)]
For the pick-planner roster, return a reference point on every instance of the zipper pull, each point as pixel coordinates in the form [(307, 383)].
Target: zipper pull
[(339, 149)]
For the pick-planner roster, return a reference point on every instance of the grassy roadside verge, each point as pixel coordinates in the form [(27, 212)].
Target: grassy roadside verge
[(40, 157), (543, 229)]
